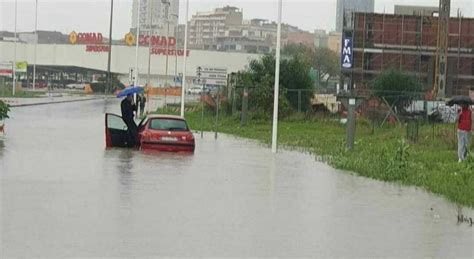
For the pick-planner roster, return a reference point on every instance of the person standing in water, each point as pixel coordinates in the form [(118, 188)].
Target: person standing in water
[(128, 108), (464, 132)]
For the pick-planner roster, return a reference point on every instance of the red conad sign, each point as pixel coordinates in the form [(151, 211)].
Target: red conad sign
[(97, 48), (89, 38), (170, 52), (6, 72), (145, 40)]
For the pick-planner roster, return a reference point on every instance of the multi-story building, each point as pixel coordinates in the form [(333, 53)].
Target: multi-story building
[(44, 37), (416, 10), (349, 6), (331, 40), (259, 29), (224, 29), (320, 39), (157, 17), (334, 41), (242, 44), (299, 37), (180, 35), (206, 27), (409, 43)]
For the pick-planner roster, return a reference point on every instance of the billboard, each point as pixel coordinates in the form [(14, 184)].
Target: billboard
[(347, 54), (21, 67), (6, 69)]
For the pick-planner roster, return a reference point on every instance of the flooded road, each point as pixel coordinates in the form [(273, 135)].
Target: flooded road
[(64, 195)]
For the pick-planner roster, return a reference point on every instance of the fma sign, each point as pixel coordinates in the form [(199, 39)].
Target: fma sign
[(347, 53)]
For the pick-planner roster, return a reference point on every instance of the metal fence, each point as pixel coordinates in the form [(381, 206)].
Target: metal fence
[(407, 110)]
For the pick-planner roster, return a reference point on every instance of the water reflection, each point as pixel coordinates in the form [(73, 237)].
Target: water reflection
[(232, 197), (2, 146), (125, 172)]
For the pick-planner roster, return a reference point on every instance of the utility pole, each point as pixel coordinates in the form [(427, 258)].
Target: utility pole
[(167, 38), (183, 84), (109, 57), (36, 44), (135, 83), (442, 49), (277, 82), (150, 4), (198, 74), (14, 51), (176, 50)]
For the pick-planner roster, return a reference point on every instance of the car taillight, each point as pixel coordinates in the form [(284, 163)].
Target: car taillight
[(187, 137)]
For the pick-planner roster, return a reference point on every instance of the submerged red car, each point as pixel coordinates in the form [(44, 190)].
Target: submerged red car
[(155, 132)]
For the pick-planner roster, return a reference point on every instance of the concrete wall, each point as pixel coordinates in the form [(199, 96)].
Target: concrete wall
[(123, 58)]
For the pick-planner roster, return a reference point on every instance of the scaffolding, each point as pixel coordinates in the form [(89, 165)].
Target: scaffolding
[(410, 43)]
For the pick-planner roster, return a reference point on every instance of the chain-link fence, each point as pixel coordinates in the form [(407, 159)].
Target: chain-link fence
[(408, 110), (412, 112)]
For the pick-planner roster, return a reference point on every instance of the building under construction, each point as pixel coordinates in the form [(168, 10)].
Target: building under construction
[(410, 43)]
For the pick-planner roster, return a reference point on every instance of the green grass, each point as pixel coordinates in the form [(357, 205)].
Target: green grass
[(430, 163), (7, 92)]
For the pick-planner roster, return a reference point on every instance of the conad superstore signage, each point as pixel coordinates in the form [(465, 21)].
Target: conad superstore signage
[(159, 45), (94, 41)]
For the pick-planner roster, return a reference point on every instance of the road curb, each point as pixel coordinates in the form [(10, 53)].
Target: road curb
[(54, 102)]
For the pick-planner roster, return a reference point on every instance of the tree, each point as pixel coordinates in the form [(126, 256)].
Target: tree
[(326, 62), (4, 109), (294, 74), (301, 51), (397, 87)]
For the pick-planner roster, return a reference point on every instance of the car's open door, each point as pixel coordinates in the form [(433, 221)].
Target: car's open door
[(116, 131)]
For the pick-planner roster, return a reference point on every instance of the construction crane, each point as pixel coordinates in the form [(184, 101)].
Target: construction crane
[(441, 66)]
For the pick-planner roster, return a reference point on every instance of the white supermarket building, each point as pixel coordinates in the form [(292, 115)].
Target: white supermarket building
[(123, 59)]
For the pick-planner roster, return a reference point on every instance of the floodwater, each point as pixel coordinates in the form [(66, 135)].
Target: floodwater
[(64, 195)]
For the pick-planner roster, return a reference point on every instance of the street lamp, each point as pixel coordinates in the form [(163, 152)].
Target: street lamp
[(167, 44), (277, 82), (109, 57), (14, 51), (36, 43), (176, 49), (183, 85), (168, 4), (149, 40), (135, 81)]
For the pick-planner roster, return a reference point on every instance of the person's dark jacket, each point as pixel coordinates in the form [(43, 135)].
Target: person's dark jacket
[(142, 102), (127, 111)]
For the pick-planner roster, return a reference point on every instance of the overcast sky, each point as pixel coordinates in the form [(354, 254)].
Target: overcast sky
[(93, 15)]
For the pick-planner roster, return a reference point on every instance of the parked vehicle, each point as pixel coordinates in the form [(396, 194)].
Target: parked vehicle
[(198, 90), (195, 90), (155, 132), (38, 84), (165, 133), (80, 86)]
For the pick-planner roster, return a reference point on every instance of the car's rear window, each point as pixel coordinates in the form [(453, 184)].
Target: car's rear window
[(168, 124)]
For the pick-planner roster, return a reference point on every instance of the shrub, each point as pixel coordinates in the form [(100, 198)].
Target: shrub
[(4, 109), (397, 87)]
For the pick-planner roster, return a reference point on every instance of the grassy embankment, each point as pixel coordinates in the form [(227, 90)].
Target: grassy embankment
[(7, 93), (430, 163)]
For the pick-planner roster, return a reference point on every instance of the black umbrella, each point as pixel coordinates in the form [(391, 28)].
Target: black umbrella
[(460, 100)]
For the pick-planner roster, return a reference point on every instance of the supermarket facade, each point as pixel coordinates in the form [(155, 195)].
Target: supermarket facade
[(87, 54)]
